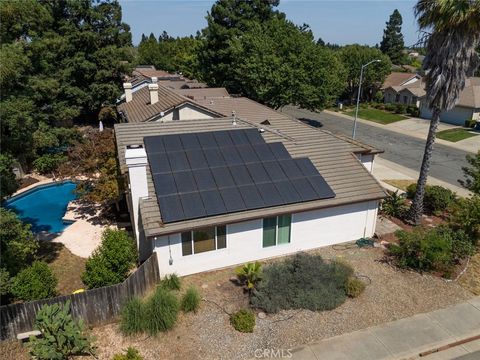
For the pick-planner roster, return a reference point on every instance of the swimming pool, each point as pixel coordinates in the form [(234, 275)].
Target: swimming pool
[(44, 206)]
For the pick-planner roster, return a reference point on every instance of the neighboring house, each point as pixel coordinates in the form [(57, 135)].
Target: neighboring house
[(467, 107), (211, 193), (158, 103), (400, 79)]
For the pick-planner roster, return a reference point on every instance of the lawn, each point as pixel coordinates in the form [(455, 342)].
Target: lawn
[(400, 184), (455, 135), (376, 115)]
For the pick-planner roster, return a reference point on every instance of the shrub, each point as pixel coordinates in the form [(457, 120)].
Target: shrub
[(436, 199), (249, 274), (243, 320), (62, 337), (394, 205), (470, 123), (390, 107), (34, 283), (437, 249), (191, 300), (48, 163), (413, 111), (378, 96), (471, 174), (133, 317), (171, 282), (354, 287), (130, 354), (161, 311), (464, 216), (5, 283), (400, 109), (111, 262), (302, 282), (9, 184)]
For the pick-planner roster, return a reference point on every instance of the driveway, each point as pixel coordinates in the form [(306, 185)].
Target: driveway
[(400, 148)]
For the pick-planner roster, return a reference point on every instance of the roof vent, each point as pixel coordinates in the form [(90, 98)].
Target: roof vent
[(261, 130), (234, 116), (154, 79)]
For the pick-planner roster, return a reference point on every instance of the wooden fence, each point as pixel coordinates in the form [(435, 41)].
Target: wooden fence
[(96, 306)]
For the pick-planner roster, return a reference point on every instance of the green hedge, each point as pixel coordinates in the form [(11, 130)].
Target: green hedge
[(243, 321), (436, 199), (34, 283)]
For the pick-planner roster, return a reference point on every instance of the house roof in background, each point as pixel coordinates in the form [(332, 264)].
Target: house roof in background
[(397, 79), (332, 155), (204, 93), (150, 72)]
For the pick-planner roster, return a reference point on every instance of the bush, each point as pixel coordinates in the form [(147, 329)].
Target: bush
[(5, 284), (394, 205), (191, 300), (48, 163), (413, 111), (464, 216), (161, 311), (470, 123), (9, 184), (111, 262), (130, 354), (34, 283), (62, 337), (249, 274), (302, 282), (243, 321), (378, 96), (390, 107), (471, 174), (437, 249), (400, 109), (436, 199), (354, 287), (171, 282), (133, 317)]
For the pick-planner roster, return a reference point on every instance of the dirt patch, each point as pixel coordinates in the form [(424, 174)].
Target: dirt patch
[(399, 184), (13, 350), (392, 294), (66, 266), (470, 280), (26, 181)]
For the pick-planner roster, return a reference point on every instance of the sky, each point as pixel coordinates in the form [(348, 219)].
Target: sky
[(335, 21)]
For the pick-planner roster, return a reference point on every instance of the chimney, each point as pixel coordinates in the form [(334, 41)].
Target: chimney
[(153, 89), (128, 91), (136, 160), (154, 79)]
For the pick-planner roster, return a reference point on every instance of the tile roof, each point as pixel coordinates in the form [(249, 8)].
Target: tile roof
[(203, 93), (332, 155), (397, 79)]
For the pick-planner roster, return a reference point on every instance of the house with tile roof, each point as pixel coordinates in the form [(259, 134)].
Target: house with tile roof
[(214, 192)]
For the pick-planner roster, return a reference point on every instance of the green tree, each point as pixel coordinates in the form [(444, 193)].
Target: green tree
[(8, 184), (278, 63), (229, 20), (472, 174), (392, 42), (34, 282), (18, 245), (353, 57), (451, 57)]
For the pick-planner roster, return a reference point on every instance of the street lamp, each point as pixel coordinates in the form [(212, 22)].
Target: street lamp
[(358, 95)]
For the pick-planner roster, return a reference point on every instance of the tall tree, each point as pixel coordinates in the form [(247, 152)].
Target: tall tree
[(353, 57), (229, 20), (279, 63), (392, 42), (454, 27)]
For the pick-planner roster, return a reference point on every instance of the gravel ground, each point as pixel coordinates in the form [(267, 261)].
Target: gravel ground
[(392, 295)]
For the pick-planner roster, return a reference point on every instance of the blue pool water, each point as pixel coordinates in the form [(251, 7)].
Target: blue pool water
[(44, 206)]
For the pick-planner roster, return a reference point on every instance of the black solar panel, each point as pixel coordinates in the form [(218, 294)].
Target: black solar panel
[(212, 173)]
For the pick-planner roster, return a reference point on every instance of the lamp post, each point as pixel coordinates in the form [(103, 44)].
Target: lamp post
[(358, 95)]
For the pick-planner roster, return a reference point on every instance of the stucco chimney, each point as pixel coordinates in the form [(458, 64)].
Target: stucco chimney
[(136, 160), (128, 91), (153, 89)]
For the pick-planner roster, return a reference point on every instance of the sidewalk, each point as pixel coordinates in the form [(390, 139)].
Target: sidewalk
[(388, 170), (418, 128), (405, 338)]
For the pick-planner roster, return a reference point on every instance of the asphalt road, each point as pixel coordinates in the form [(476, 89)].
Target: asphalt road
[(404, 150)]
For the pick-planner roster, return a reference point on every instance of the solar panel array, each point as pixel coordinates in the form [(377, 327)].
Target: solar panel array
[(211, 173)]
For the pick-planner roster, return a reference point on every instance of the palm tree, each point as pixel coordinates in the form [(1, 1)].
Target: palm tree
[(453, 33)]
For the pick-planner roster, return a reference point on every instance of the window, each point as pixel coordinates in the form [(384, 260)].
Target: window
[(276, 230), (397, 98), (205, 239)]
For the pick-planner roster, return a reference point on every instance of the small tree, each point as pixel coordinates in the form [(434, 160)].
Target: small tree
[(8, 185), (62, 337), (18, 245), (392, 42), (111, 262), (472, 174)]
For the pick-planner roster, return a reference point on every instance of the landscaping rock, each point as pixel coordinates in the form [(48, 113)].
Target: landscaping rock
[(261, 315), (204, 286)]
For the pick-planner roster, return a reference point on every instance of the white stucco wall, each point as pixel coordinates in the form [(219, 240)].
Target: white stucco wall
[(185, 112), (309, 230), (367, 161), (456, 116)]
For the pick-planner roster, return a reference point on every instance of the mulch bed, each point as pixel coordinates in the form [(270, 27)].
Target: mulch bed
[(26, 181)]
